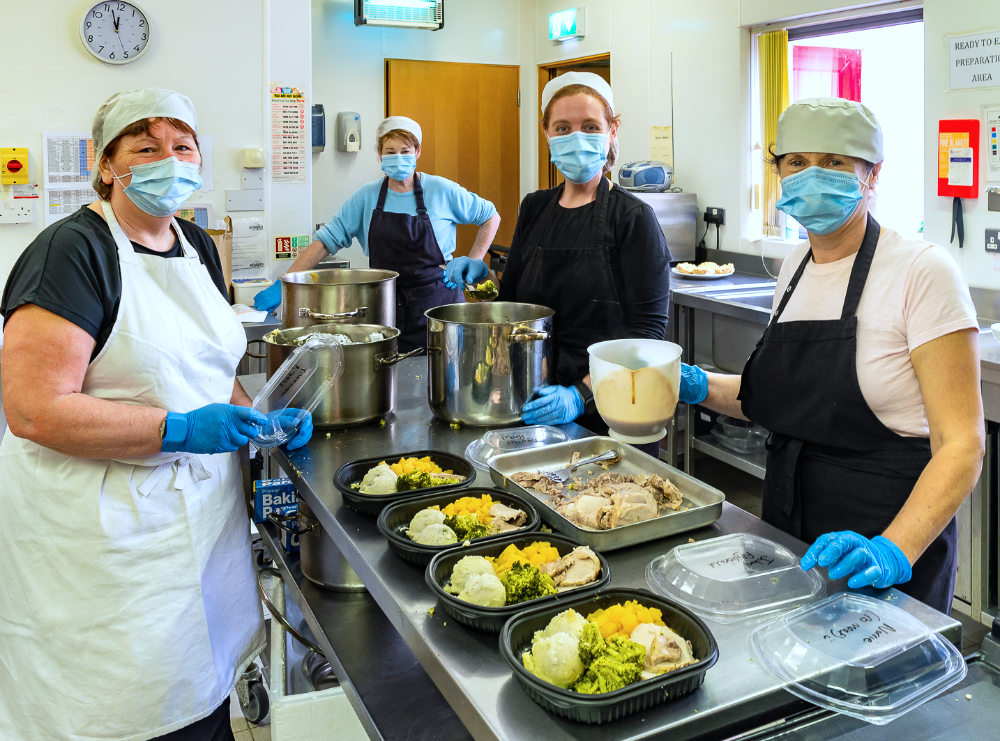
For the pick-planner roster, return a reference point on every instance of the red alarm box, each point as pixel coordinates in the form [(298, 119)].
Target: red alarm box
[(958, 157)]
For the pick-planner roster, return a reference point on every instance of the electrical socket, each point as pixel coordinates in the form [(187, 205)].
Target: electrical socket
[(715, 215), (993, 240)]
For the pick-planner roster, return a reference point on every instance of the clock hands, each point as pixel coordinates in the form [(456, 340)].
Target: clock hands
[(116, 20)]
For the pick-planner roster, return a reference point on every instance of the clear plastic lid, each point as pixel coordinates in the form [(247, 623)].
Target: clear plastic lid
[(859, 656), (300, 382), (494, 442), (733, 577)]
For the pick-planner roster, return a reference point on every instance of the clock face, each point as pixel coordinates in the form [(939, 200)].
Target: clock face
[(115, 32)]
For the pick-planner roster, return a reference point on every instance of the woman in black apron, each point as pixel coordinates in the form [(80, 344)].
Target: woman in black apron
[(587, 248), (871, 501), (402, 240)]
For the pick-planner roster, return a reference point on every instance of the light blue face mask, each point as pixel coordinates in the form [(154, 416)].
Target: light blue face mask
[(820, 199), (578, 156), (159, 188), (399, 166)]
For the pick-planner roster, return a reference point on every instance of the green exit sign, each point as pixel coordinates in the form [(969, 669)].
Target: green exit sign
[(566, 24)]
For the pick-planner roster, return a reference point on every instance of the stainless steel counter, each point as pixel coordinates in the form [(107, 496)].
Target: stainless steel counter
[(464, 664)]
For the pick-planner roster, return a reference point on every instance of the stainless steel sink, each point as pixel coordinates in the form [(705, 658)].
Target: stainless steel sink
[(759, 297)]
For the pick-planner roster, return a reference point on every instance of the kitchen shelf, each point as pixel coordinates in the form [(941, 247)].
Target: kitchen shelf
[(751, 463)]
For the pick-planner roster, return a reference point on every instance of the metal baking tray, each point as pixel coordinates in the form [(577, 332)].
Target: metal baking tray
[(702, 503)]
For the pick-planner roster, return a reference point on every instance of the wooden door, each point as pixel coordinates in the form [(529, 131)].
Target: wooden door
[(469, 117), (548, 175)]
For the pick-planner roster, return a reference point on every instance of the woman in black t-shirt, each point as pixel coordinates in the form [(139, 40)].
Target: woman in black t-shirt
[(587, 248)]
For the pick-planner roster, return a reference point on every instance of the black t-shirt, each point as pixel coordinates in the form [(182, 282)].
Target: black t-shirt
[(72, 270), (640, 260)]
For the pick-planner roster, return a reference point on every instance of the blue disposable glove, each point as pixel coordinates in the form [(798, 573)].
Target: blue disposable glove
[(216, 428), (464, 270), (269, 298), (553, 405), (877, 562), (694, 384), (290, 416)]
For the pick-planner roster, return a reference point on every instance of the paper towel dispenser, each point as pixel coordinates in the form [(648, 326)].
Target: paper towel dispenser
[(318, 127)]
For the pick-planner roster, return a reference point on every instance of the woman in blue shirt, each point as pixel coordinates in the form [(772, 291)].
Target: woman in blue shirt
[(405, 222)]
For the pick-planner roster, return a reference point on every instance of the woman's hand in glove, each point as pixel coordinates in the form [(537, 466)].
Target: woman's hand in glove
[(215, 428), (553, 405), (462, 270), (291, 416), (269, 298), (877, 562), (694, 384)]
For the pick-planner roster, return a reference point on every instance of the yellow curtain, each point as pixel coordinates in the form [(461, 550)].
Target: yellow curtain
[(772, 53)]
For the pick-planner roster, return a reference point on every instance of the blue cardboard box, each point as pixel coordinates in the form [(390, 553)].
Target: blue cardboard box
[(289, 540), (271, 494)]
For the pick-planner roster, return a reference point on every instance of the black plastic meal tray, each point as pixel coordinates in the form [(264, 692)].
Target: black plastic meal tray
[(372, 504), (515, 639), (395, 519), (492, 619)]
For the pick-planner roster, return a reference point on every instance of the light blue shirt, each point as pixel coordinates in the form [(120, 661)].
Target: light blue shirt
[(447, 203)]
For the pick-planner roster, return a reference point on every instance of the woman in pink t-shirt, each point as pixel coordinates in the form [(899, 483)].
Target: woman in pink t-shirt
[(867, 376)]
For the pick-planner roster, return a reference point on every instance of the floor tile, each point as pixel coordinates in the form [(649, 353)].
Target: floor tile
[(238, 724), (261, 733), (244, 736)]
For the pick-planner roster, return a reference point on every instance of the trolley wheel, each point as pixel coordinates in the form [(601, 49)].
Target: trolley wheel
[(256, 704)]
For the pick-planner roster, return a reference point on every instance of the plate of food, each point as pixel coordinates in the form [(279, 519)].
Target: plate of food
[(703, 270), (370, 484), (596, 658), (483, 585), (609, 505), (418, 529)]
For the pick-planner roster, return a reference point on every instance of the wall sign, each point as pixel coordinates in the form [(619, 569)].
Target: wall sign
[(566, 24), (974, 60)]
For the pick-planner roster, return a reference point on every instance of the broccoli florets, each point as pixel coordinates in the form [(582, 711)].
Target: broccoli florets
[(414, 480), (591, 642), (524, 582), (617, 665), (467, 527)]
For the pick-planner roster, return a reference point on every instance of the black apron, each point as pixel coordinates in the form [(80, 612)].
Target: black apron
[(831, 464), (407, 244)]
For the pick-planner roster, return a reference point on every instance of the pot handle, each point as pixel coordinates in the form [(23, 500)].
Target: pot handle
[(524, 334), (255, 355), (360, 311), (276, 613), (393, 359), (279, 521)]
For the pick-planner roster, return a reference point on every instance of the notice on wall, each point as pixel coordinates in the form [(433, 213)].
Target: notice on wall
[(249, 248), (67, 165), (661, 144), (288, 248), (288, 134), (974, 59)]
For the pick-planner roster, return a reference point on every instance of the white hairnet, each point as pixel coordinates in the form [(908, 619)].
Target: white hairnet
[(831, 125), (400, 123), (129, 106), (595, 82)]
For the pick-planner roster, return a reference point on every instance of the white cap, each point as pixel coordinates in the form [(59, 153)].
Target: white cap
[(129, 106), (595, 82), (399, 123), (830, 125)]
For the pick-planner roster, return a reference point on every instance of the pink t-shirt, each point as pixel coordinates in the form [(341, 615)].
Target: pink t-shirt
[(915, 293)]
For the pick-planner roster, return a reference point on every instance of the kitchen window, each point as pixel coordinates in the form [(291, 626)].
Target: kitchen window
[(876, 60)]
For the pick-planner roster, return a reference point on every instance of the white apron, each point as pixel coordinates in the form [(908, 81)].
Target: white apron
[(128, 605)]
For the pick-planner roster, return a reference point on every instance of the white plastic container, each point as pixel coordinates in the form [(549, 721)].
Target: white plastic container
[(635, 384), (290, 386)]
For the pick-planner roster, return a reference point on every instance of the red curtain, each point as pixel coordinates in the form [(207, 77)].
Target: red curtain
[(819, 71)]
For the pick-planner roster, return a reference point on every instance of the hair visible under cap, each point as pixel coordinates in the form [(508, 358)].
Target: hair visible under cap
[(142, 126), (609, 115), (404, 136)]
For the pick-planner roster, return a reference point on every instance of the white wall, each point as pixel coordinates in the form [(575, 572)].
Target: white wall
[(210, 51), (349, 75), (942, 19)]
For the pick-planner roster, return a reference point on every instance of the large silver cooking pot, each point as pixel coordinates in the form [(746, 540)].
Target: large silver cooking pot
[(321, 561), (366, 388), (346, 295), (485, 359)]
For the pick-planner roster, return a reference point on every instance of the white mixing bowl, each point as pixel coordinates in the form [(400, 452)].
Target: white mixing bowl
[(635, 384)]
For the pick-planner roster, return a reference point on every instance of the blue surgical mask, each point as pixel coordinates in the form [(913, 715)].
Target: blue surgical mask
[(820, 199), (159, 188), (399, 166), (579, 156)]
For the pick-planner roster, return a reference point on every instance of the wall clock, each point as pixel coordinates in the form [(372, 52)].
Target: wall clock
[(115, 32)]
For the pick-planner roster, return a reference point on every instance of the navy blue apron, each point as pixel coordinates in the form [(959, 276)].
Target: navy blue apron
[(831, 463), (407, 244)]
